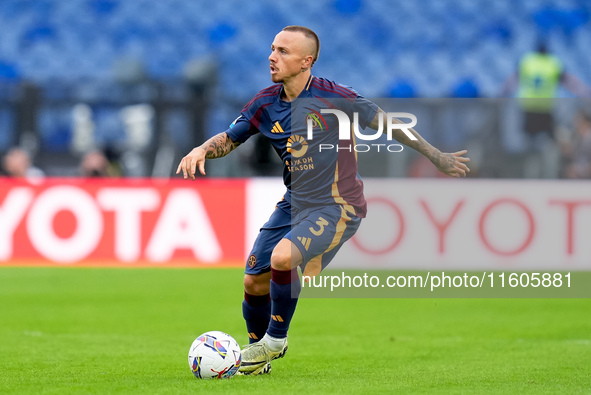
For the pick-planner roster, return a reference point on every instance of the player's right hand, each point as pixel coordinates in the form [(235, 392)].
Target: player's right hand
[(189, 164)]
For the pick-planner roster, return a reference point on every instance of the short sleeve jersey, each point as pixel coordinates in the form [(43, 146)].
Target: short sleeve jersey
[(319, 166)]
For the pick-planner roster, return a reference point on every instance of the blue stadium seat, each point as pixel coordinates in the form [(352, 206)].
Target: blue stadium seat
[(221, 32), (39, 32), (546, 19), (9, 71), (103, 7), (401, 88), (498, 30), (348, 7), (573, 20), (465, 88)]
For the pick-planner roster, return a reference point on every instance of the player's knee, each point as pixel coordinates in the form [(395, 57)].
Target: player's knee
[(281, 259), (256, 284)]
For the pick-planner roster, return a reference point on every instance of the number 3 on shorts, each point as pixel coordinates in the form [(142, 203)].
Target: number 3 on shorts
[(321, 223)]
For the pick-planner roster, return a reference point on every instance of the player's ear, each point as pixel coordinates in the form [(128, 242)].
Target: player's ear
[(307, 62)]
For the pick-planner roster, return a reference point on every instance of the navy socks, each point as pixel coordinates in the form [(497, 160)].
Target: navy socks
[(285, 290), (256, 310)]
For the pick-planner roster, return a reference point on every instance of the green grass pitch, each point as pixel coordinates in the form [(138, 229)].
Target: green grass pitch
[(85, 330)]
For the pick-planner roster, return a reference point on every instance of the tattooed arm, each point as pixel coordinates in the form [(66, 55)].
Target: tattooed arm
[(216, 147), (452, 164)]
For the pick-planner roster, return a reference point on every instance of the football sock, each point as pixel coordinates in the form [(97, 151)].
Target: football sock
[(256, 310), (285, 290), (273, 343)]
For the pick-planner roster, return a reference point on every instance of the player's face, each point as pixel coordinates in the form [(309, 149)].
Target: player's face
[(288, 56)]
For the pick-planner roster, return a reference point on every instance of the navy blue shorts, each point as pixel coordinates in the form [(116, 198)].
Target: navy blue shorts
[(317, 232)]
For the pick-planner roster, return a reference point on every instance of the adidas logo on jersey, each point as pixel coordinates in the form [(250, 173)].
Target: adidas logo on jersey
[(277, 128)]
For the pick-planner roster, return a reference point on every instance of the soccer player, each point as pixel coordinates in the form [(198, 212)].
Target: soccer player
[(323, 205)]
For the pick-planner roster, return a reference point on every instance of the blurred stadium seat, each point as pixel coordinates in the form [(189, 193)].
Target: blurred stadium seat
[(166, 35), (400, 48)]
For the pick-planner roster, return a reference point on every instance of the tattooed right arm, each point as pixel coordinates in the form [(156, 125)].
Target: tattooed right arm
[(216, 147)]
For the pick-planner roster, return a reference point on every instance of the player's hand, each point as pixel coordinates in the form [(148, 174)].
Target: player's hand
[(189, 164), (452, 164)]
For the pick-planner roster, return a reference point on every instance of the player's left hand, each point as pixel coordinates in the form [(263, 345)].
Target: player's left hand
[(452, 164)]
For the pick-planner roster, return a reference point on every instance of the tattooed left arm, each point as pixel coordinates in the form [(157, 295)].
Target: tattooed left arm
[(452, 164)]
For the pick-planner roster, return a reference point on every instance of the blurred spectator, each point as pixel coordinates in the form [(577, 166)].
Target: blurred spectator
[(538, 78), (96, 164), (578, 151), (17, 163)]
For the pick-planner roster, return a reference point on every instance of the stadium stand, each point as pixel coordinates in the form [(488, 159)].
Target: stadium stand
[(381, 48)]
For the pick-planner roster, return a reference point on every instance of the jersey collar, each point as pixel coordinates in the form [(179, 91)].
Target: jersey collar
[(303, 93), (309, 82)]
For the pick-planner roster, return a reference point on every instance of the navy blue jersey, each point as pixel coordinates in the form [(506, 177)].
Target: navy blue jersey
[(313, 177)]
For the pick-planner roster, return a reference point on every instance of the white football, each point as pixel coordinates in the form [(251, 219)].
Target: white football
[(214, 354)]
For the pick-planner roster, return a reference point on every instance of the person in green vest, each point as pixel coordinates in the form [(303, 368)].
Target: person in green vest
[(536, 82)]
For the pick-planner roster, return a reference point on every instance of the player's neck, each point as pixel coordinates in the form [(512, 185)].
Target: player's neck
[(293, 87)]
